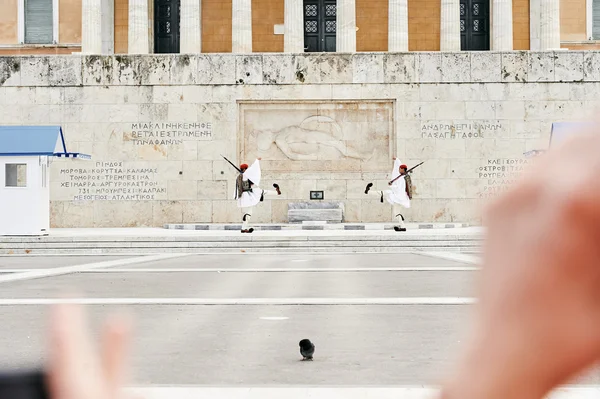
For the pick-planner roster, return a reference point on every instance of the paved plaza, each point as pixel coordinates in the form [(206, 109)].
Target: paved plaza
[(228, 325)]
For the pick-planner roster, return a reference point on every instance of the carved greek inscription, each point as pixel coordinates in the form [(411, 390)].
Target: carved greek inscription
[(168, 133), (111, 181), (498, 174), (462, 131)]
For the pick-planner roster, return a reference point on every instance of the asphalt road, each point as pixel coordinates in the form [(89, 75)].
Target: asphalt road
[(187, 344)]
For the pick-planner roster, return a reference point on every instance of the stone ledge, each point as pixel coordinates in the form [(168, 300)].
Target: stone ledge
[(301, 69), (316, 205), (326, 215), (317, 211), (326, 226)]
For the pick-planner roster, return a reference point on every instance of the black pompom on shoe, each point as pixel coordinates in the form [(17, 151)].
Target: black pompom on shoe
[(368, 188), (277, 188)]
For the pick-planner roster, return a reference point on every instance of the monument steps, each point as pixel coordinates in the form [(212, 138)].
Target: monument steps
[(239, 244), (143, 251), (230, 241)]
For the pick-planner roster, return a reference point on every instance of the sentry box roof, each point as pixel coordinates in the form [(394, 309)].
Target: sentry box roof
[(35, 141), (562, 130)]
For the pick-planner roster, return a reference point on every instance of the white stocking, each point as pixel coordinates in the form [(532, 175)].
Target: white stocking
[(246, 215)]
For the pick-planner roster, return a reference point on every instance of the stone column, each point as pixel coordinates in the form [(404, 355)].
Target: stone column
[(191, 38), (138, 42), (398, 25), (108, 26), (91, 27), (242, 26), (502, 28), (293, 39), (550, 24), (346, 26), (450, 25)]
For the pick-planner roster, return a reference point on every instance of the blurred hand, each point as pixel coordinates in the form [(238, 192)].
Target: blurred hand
[(260, 159), (537, 322), (76, 370)]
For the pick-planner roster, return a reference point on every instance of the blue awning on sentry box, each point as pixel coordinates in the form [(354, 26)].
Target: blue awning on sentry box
[(35, 140), (562, 130)]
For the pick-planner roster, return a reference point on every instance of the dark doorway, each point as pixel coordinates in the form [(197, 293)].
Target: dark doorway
[(475, 25), (319, 25), (166, 26)]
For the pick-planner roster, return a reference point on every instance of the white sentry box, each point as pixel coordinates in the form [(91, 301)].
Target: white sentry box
[(25, 156), (561, 131)]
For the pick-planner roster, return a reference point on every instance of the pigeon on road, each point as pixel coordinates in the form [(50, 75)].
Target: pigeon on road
[(307, 349)]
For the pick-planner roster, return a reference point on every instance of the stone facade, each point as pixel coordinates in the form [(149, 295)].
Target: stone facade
[(156, 127)]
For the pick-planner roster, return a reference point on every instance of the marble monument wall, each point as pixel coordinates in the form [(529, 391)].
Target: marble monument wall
[(156, 127)]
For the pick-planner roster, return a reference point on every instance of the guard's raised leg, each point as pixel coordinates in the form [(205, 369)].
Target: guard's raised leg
[(269, 193), (374, 192)]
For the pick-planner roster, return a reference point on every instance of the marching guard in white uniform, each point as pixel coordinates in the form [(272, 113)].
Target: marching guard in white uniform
[(399, 194), (248, 193)]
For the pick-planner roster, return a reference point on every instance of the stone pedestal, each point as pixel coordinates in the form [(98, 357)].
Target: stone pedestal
[(346, 26), (241, 40), (398, 26), (191, 39), (138, 42), (317, 211), (450, 26), (293, 39), (502, 30)]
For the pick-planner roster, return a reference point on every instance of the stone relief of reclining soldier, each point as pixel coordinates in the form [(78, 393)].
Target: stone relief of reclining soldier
[(305, 142)]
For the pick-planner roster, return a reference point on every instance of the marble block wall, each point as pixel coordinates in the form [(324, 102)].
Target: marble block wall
[(157, 125)]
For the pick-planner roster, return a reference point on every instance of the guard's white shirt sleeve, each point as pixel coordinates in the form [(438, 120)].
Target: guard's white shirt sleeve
[(253, 173)]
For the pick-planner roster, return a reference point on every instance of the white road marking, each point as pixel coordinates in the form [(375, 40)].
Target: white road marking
[(241, 301), (273, 318), (413, 392), (288, 393), (284, 270), (57, 271), (458, 257)]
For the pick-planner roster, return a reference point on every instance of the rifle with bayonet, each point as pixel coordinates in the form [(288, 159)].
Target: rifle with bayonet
[(232, 164), (407, 172)]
